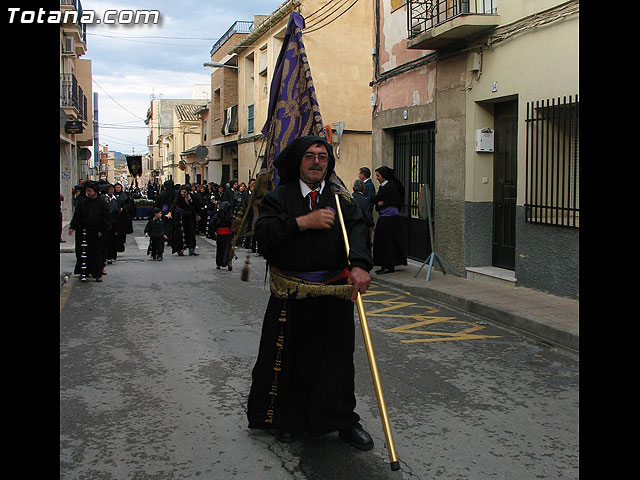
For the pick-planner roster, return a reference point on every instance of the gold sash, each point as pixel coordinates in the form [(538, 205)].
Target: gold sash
[(296, 289)]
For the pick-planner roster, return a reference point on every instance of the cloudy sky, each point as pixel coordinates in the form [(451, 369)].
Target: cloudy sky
[(130, 63)]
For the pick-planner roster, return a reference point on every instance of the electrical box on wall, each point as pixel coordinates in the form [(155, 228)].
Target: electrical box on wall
[(484, 140)]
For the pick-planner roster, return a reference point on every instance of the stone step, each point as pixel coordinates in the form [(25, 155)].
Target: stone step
[(491, 274)]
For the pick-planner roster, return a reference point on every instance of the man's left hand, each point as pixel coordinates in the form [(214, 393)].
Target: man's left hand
[(360, 280)]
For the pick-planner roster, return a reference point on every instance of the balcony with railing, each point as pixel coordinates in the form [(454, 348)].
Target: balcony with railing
[(435, 24), (239, 26), (72, 98), (72, 10)]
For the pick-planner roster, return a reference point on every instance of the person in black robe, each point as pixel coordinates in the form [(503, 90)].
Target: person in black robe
[(90, 220), (220, 226), (111, 236), (303, 378), (201, 198), (210, 209), (122, 218), (389, 247), (184, 212), (164, 201)]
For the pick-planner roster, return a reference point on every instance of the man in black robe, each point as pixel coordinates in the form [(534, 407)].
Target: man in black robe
[(90, 219), (303, 379)]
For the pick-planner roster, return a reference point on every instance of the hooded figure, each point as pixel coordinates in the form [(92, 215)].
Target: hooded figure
[(164, 201), (220, 225), (123, 219), (111, 241), (184, 212), (288, 162), (389, 248), (90, 222), (308, 335)]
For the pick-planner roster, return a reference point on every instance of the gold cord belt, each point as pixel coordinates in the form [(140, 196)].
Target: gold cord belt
[(294, 288)]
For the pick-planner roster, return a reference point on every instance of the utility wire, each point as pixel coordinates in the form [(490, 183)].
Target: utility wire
[(151, 36), (107, 93), (325, 15), (318, 10), (143, 41), (123, 140), (332, 20)]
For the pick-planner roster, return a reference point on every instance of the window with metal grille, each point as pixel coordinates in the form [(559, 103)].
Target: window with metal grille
[(552, 162)]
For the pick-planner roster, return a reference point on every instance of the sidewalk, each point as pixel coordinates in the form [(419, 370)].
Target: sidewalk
[(547, 317)]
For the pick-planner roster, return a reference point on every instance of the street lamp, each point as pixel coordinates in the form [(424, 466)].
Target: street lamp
[(218, 64)]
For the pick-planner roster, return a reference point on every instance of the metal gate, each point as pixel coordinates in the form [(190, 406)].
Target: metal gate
[(413, 163)]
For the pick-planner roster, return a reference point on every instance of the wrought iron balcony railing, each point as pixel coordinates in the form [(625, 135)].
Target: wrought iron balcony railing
[(71, 95), (238, 27), (423, 15), (77, 6)]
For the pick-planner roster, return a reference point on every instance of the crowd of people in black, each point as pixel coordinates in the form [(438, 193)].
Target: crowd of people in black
[(208, 209), (103, 215), (102, 218)]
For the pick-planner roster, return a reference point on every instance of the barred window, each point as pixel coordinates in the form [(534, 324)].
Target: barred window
[(552, 162)]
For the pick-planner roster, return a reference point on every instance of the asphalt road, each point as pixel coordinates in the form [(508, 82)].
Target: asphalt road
[(155, 366)]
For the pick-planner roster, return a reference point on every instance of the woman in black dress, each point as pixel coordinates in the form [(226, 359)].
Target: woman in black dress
[(389, 248)]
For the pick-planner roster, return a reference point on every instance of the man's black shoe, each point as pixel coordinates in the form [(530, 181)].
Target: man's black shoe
[(357, 437), (285, 437)]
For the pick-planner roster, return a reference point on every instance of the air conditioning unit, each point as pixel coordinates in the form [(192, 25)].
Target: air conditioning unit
[(68, 45)]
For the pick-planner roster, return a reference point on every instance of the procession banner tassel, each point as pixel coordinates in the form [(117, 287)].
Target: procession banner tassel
[(83, 256), (395, 464), (245, 270)]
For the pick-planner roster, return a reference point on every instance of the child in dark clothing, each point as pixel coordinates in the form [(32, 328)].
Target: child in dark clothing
[(155, 231)]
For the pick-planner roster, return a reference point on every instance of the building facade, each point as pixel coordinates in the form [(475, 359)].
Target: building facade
[(76, 104), (340, 80), (174, 128), (479, 101), (223, 116)]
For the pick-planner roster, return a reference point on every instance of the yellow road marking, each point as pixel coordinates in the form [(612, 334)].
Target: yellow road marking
[(396, 302)]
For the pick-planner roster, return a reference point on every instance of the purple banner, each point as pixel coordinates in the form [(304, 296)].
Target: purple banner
[(293, 107)]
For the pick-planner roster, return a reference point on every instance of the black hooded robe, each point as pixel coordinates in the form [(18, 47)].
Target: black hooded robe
[(389, 248), (122, 220), (164, 201), (184, 224), (307, 359), (220, 224), (91, 216), (111, 251)]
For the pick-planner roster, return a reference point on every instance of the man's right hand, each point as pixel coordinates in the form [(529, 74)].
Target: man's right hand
[(321, 219)]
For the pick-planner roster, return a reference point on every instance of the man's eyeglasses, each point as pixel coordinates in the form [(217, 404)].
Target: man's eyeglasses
[(310, 157)]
